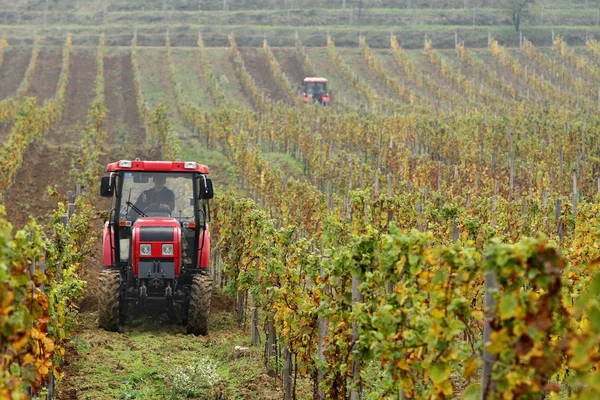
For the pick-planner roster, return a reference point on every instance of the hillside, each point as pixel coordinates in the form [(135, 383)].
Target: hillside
[(281, 20)]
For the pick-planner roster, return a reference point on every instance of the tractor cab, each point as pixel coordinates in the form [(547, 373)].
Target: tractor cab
[(156, 241), (315, 91)]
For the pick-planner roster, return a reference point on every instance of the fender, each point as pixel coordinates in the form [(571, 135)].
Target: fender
[(204, 256), (108, 260)]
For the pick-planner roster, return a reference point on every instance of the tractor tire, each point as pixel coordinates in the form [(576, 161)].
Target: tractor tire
[(108, 299), (199, 308)]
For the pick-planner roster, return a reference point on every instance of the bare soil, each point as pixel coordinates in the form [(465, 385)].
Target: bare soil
[(45, 79), (291, 66), (5, 129), (43, 165), (112, 98), (80, 90), (49, 162), (258, 66), (128, 93), (122, 123), (12, 70)]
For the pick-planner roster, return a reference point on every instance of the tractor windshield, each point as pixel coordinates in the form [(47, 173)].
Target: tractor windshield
[(315, 87), (157, 194)]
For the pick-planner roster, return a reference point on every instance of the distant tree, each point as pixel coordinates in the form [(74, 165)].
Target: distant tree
[(361, 5), (518, 9)]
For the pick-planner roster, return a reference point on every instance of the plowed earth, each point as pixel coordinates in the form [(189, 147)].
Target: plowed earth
[(122, 124), (291, 67), (258, 66), (49, 162), (12, 70), (45, 79)]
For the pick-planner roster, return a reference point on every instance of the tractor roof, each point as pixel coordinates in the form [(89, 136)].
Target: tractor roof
[(157, 166), (315, 80)]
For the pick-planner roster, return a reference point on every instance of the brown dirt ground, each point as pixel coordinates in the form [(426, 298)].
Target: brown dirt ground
[(45, 79), (128, 93), (122, 123), (49, 162), (43, 165), (290, 65), (258, 66), (5, 130), (12, 70), (112, 71), (80, 90)]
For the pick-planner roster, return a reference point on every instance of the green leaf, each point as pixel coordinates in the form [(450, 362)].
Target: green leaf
[(15, 370), (472, 392), (440, 373), (594, 316), (594, 381), (507, 306)]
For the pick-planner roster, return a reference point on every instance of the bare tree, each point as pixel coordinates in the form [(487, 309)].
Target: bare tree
[(518, 9), (360, 8)]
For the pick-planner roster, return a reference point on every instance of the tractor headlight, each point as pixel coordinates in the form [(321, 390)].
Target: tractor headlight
[(145, 249), (167, 249)]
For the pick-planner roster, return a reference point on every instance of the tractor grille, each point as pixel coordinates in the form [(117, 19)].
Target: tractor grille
[(160, 269), (156, 234)]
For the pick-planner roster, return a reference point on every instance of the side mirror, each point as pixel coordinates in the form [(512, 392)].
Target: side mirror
[(107, 186), (206, 188)]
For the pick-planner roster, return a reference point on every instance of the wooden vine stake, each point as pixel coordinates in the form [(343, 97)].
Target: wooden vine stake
[(574, 193), (270, 346), (491, 288), (287, 372), (559, 222), (323, 329), (254, 335), (356, 392)]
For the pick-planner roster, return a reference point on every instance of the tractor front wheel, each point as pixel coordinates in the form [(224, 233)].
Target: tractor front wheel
[(108, 299), (199, 308)]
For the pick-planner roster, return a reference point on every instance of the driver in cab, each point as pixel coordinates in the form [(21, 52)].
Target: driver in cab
[(158, 199)]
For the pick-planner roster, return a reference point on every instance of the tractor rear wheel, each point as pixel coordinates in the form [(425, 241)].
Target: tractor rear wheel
[(199, 308), (108, 299)]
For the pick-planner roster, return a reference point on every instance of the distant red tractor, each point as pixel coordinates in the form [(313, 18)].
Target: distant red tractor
[(315, 91), (156, 241)]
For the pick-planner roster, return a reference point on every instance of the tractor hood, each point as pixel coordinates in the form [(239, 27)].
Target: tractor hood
[(156, 240)]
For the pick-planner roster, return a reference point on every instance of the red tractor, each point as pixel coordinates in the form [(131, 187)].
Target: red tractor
[(156, 242), (315, 91)]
